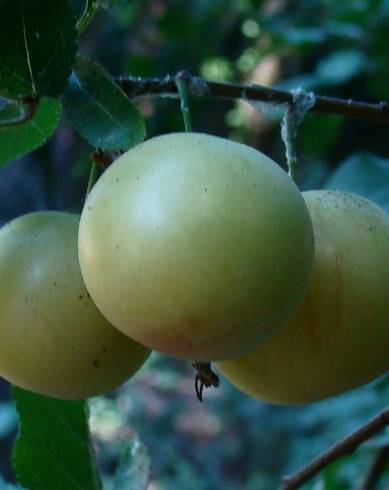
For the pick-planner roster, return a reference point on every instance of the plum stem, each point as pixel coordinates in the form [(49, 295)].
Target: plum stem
[(181, 82), (92, 177)]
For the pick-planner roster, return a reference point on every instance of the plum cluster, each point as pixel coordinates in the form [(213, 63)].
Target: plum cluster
[(203, 249)]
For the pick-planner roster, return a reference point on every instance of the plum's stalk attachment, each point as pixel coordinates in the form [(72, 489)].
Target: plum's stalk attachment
[(181, 80), (204, 377), (103, 159), (92, 175), (302, 102)]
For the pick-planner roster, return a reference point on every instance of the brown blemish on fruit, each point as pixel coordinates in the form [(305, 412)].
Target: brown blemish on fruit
[(80, 296), (95, 363)]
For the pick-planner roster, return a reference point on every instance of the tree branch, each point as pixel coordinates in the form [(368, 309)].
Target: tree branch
[(139, 87), (376, 469), (346, 446)]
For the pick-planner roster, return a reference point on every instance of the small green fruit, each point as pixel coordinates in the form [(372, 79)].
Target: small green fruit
[(53, 340)]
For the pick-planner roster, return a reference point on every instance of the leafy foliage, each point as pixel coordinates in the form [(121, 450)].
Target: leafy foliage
[(37, 47), (107, 4), (99, 109), (53, 449), (18, 140), (335, 48), (366, 175)]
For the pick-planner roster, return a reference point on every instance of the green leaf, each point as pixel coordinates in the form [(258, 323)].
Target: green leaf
[(107, 4), (366, 175), (10, 111), (330, 478), (341, 66), (318, 133), (38, 44), (134, 470), (18, 140), (53, 450), (99, 109), (304, 35), (382, 384)]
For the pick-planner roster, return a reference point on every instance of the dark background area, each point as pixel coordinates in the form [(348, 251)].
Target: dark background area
[(333, 48)]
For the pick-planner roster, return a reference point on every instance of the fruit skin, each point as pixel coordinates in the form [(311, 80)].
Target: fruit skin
[(339, 337), (53, 339), (196, 246)]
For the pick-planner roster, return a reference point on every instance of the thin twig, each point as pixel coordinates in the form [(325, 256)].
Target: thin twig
[(376, 469), (31, 106), (346, 446), (138, 87)]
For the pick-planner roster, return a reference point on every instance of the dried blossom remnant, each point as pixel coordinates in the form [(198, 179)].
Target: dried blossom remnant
[(204, 377)]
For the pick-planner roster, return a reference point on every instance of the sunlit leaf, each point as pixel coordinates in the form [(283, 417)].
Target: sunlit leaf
[(107, 4)]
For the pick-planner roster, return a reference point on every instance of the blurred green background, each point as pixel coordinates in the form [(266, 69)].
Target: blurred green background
[(338, 48)]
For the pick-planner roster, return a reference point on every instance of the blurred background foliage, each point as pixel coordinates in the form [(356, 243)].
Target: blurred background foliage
[(334, 48)]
